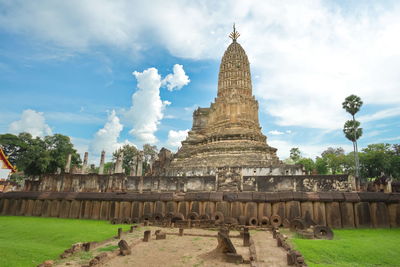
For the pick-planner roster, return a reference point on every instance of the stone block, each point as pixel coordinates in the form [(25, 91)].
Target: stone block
[(137, 209), (171, 206), (65, 208), (347, 214), (373, 196), (279, 209), (124, 248), (21, 209), (362, 215), (146, 236), (292, 210), (37, 209), (195, 206), (54, 208), (95, 214), (183, 207), (272, 197), (230, 196), (161, 235), (104, 210), (29, 208), (319, 213), (216, 196), (325, 196), (125, 209), (380, 215), (225, 244), (394, 214), (333, 215), (259, 197), (237, 209), (245, 196), (159, 207), (148, 209), (251, 209), (285, 196), (264, 210), (223, 207), (351, 197), (86, 209), (307, 212), (74, 209)]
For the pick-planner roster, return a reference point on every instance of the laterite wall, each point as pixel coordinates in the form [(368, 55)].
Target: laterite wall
[(337, 210)]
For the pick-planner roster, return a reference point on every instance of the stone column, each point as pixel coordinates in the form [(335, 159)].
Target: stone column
[(85, 163), (140, 164), (118, 164), (133, 166), (102, 158), (68, 165)]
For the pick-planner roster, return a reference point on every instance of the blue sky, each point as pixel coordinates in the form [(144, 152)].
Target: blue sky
[(66, 67)]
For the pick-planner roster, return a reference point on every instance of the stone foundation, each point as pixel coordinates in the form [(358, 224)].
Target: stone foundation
[(337, 210)]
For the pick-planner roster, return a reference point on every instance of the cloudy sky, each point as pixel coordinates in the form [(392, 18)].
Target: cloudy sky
[(108, 73)]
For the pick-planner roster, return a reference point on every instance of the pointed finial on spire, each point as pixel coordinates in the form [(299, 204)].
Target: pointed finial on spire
[(234, 35)]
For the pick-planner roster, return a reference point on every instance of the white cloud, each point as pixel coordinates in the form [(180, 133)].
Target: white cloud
[(147, 107), (275, 132), (107, 137), (32, 122), (308, 55), (176, 137), (177, 79), (382, 114)]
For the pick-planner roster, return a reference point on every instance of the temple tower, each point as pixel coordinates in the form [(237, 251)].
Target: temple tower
[(228, 133)]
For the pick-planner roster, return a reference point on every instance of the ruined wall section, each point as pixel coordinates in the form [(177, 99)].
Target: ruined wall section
[(337, 210), (225, 179)]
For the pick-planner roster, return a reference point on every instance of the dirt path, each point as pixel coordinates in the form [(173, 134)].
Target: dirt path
[(196, 249), (268, 253)]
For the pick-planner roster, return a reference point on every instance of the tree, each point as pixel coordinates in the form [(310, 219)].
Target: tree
[(377, 159), (321, 165), (307, 163), (130, 152), (12, 146), (59, 147), (335, 159), (295, 154), (352, 105)]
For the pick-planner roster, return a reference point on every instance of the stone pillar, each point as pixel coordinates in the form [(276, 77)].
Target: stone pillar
[(102, 159), (118, 164), (140, 164), (68, 165), (146, 237), (85, 163), (133, 166)]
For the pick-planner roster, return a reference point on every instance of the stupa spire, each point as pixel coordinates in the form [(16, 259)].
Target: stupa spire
[(234, 35)]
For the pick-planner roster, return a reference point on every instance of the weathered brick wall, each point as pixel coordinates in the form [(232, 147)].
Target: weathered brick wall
[(336, 209)]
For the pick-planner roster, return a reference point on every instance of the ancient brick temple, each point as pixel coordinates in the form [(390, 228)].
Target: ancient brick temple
[(228, 133)]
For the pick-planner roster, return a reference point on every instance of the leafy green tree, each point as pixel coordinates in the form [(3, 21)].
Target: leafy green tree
[(35, 160), (335, 159), (130, 152), (12, 146), (321, 165), (352, 105), (59, 147), (295, 154), (308, 164), (376, 159)]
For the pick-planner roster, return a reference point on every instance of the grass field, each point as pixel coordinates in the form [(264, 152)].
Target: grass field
[(28, 241), (355, 248)]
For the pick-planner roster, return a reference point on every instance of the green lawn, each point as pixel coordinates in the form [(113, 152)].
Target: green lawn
[(355, 248), (28, 241)]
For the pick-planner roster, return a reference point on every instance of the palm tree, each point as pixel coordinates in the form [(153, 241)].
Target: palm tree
[(352, 105)]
